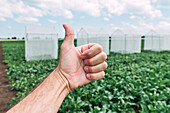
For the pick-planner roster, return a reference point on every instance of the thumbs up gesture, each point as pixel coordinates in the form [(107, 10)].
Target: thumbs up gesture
[(80, 65)]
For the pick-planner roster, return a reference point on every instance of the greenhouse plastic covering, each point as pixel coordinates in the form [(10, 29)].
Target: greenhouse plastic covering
[(118, 42), (166, 38), (41, 43), (125, 43), (93, 35), (133, 43), (154, 41)]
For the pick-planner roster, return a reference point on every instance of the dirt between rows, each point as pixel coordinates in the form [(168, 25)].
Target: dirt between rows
[(5, 91)]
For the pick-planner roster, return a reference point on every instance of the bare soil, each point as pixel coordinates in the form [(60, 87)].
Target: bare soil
[(6, 93)]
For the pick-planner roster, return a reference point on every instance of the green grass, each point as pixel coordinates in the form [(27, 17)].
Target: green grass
[(133, 82)]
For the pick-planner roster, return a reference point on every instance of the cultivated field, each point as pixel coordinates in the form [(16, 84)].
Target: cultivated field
[(133, 82)]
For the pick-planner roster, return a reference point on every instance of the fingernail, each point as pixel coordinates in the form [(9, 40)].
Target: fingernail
[(88, 76)]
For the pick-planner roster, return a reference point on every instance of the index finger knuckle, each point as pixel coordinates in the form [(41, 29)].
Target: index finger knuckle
[(99, 47)]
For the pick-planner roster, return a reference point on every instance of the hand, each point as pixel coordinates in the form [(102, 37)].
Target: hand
[(80, 65)]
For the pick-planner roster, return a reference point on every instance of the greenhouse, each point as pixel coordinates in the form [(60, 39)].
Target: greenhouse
[(82, 37), (41, 43), (125, 43), (118, 42), (154, 41), (93, 35)]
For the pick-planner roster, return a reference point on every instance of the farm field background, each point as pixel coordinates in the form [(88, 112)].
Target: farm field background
[(133, 82)]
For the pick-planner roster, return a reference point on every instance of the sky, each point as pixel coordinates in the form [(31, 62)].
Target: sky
[(130, 16)]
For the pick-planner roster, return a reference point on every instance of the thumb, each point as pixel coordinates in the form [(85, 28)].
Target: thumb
[(69, 34)]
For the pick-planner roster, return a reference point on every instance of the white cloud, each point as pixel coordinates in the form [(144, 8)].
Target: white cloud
[(147, 25), (106, 19), (54, 8), (164, 24), (9, 27), (164, 3), (163, 27), (82, 17), (166, 18), (5, 10), (112, 6), (2, 19), (111, 24), (38, 8), (65, 8), (25, 13), (71, 22), (143, 28), (22, 19), (18, 7), (52, 21), (139, 28), (129, 28), (132, 17), (98, 7), (154, 1), (143, 7), (9, 8)]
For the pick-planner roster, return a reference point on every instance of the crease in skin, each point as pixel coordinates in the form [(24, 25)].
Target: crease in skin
[(67, 51), (66, 80), (69, 35), (64, 74), (65, 86), (73, 73)]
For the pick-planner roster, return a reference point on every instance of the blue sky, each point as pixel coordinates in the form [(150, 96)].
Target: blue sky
[(129, 15)]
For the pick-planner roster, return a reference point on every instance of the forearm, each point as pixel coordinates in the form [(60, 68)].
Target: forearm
[(46, 98)]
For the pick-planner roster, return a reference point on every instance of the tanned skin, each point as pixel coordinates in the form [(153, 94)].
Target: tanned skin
[(77, 66)]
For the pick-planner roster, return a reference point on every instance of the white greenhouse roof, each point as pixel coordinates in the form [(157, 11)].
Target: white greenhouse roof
[(125, 32), (152, 32), (118, 32)]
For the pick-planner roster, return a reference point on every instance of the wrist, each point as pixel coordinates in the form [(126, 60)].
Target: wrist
[(62, 79)]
